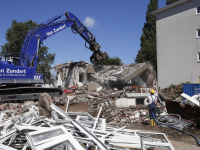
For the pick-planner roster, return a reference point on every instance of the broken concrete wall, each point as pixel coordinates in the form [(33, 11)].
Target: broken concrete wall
[(109, 76), (68, 74)]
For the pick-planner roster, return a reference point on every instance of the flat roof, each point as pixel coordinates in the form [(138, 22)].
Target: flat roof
[(157, 11)]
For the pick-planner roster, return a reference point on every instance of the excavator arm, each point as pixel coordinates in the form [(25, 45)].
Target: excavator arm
[(46, 29)]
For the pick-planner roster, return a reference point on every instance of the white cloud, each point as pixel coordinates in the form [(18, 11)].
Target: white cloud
[(89, 22)]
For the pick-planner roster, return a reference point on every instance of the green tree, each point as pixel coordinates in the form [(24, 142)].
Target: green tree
[(113, 61), (45, 60), (168, 2), (148, 50), (15, 36)]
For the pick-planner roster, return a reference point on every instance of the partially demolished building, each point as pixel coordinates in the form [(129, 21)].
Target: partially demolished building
[(139, 75), (70, 73)]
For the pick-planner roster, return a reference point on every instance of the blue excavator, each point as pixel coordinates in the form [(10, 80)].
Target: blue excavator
[(17, 79)]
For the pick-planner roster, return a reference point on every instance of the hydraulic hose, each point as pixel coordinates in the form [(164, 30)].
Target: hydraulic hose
[(177, 130)]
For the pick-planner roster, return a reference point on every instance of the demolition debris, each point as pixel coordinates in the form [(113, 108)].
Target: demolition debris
[(72, 130), (180, 103), (68, 122)]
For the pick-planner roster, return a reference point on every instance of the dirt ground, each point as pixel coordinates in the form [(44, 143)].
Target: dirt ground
[(180, 141)]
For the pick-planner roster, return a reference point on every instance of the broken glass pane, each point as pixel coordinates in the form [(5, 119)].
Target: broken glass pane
[(47, 135)]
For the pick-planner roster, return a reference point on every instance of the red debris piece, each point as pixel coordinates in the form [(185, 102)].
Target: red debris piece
[(74, 87), (67, 91)]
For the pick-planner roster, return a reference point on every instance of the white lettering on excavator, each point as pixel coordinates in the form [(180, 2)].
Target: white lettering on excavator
[(36, 77), (60, 28), (56, 30), (49, 33), (15, 71), (2, 71)]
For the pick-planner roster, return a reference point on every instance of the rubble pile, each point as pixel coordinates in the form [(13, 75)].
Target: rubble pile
[(107, 87), (174, 92), (110, 101), (109, 76), (180, 103), (114, 103), (13, 109), (72, 131)]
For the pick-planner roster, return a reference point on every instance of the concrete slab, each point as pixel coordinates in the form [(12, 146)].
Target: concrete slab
[(90, 69), (93, 86)]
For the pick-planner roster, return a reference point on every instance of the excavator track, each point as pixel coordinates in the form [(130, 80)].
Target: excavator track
[(17, 94)]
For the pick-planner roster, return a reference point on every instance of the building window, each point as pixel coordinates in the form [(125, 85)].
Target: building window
[(198, 10), (198, 33), (198, 57)]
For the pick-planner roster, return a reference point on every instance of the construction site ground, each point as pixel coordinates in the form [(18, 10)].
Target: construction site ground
[(180, 141)]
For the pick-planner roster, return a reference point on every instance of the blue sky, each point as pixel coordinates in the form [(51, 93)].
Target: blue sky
[(116, 24)]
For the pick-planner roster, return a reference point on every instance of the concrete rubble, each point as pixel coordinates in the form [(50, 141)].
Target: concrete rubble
[(180, 103), (175, 93), (109, 87), (118, 106)]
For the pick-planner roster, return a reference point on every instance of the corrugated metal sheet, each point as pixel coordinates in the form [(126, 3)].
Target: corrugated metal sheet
[(191, 89)]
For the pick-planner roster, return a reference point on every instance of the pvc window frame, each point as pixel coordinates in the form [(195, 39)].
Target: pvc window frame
[(51, 142), (147, 141), (5, 147)]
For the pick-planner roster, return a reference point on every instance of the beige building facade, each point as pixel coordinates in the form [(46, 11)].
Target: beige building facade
[(178, 43)]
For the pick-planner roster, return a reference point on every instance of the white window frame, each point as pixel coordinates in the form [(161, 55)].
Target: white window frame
[(197, 10), (198, 57), (50, 142)]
